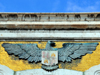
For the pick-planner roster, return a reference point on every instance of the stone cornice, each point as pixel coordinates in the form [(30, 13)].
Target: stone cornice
[(49, 17), (49, 20), (52, 35)]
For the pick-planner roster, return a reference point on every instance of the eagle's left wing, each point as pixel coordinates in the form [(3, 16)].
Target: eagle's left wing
[(71, 51)]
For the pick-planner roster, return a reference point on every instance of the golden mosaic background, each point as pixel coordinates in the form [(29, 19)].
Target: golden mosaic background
[(83, 64)]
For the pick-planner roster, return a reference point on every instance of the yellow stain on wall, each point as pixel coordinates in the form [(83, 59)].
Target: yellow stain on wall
[(87, 61)]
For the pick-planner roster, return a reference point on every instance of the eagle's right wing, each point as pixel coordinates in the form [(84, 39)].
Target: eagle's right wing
[(29, 52)]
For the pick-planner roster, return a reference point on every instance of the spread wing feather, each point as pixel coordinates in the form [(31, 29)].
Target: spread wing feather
[(84, 49), (24, 51), (75, 50), (32, 53)]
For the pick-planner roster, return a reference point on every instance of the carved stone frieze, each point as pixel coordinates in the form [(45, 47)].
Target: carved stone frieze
[(49, 17)]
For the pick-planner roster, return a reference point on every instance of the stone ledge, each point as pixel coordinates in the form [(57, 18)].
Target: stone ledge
[(53, 35), (50, 25), (48, 36), (43, 72), (4, 70)]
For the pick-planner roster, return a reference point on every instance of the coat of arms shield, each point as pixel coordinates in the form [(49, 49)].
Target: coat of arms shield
[(50, 57)]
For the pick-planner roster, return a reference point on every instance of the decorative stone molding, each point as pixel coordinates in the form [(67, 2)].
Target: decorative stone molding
[(95, 70), (49, 20), (43, 72), (49, 16), (48, 26), (52, 35), (5, 70)]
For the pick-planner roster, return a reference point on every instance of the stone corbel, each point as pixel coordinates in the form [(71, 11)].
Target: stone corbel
[(71, 18), (4, 17), (20, 16), (83, 17), (96, 17), (90, 17)]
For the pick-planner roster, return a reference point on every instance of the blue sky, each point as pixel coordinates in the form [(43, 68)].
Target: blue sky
[(49, 5)]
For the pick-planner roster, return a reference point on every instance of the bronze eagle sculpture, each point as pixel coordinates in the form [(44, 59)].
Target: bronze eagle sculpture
[(32, 53)]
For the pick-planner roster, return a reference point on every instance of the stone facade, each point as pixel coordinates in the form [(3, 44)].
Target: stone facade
[(41, 27)]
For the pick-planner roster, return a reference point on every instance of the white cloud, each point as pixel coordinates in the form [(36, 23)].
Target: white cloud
[(71, 6)]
